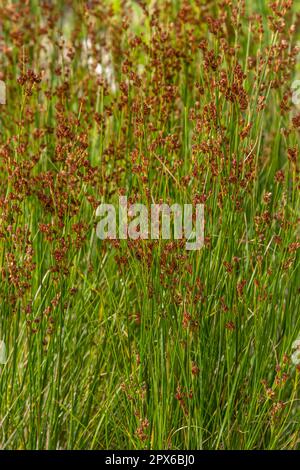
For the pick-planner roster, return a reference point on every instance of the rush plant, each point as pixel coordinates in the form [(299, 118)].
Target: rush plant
[(141, 344)]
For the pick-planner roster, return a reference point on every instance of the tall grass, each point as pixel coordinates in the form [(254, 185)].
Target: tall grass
[(142, 344)]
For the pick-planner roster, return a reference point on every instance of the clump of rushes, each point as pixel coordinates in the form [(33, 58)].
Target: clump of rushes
[(142, 344)]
